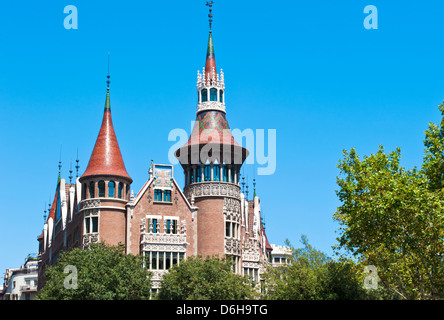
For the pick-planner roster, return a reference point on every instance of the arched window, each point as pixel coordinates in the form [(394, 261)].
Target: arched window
[(92, 191), (207, 173), (120, 190), (213, 94), (204, 95), (221, 96), (111, 188), (101, 185), (84, 191), (216, 172)]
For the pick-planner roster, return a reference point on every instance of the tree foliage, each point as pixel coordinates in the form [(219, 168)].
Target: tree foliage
[(103, 273), (392, 217), (204, 279), (312, 275)]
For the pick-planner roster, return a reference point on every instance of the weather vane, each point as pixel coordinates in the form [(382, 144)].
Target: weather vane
[(210, 15)]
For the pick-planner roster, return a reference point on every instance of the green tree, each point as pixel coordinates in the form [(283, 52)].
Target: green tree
[(392, 217), (103, 273), (204, 279), (312, 275)]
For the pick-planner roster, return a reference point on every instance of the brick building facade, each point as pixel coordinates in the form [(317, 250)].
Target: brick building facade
[(162, 222)]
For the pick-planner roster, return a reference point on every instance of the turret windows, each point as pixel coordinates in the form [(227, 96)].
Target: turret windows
[(120, 191), (213, 94), (221, 96), (199, 174), (225, 173), (92, 187), (207, 175), (101, 186), (204, 95), (111, 189), (216, 173)]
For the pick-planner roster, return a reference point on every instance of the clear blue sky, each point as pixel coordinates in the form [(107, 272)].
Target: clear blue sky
[(308, 69)]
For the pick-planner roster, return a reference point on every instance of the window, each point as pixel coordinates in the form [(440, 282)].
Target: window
[(153, 225), (92, 191), (232, 175), (120, 191), (155, 260), (101, 185), (199, 174), (111, 188), (84, 191), (213, 94), (191, 176), (171, 226), (216, 173), (91, 224), (167, 195), (221, 96), (204, 95), (207, 173), (225, 173), (157, 195), (228, 229)]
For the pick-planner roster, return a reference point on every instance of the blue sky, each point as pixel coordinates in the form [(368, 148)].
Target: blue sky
[(308, 69)]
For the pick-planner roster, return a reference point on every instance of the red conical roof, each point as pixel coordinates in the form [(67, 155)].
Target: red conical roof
[(106, 158)]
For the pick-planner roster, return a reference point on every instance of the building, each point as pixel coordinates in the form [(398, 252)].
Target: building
[(163, 222), (21, 283)]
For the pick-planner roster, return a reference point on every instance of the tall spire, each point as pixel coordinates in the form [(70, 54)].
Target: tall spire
[(210, 65), (106, 158)]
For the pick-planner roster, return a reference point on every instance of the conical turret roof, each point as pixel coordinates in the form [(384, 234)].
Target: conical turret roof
[(106, 158)]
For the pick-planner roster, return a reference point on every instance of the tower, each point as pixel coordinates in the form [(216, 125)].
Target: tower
[(211, 160), (105, 187)]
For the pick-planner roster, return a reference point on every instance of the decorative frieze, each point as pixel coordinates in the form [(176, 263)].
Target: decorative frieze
[(90, 238), (89, 203), (232, 246), (212, 189), (211, 105)]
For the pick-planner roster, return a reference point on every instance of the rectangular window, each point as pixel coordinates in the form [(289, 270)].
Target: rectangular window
[(181, 256), (204, 95), (207, 173), (191, 176), (225, 173), (174, 258), (161, 262), (95, 224), (167, 260), (87, 225), (227, 229), (153, 225), (171, 226), (199, 174), (167, 196), (157, 195), (216, 173), (154, 261)]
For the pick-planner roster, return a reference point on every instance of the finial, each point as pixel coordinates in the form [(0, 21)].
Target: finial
[(60, 163), (108, 76), (70, 173), (210, 15), (44, 216), (77, 165), (243, 183)]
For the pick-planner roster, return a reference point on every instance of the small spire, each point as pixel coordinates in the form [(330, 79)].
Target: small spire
[(70, 172), (77, 165), (210, 14)]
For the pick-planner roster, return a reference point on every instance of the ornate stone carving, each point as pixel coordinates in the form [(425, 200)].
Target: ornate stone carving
[(212, 189), (211, 105), (90, 203), (232, 246), (90, 238), (164, 238)]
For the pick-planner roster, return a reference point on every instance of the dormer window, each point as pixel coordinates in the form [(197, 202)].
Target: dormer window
[(204, 95), (213, 94)]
